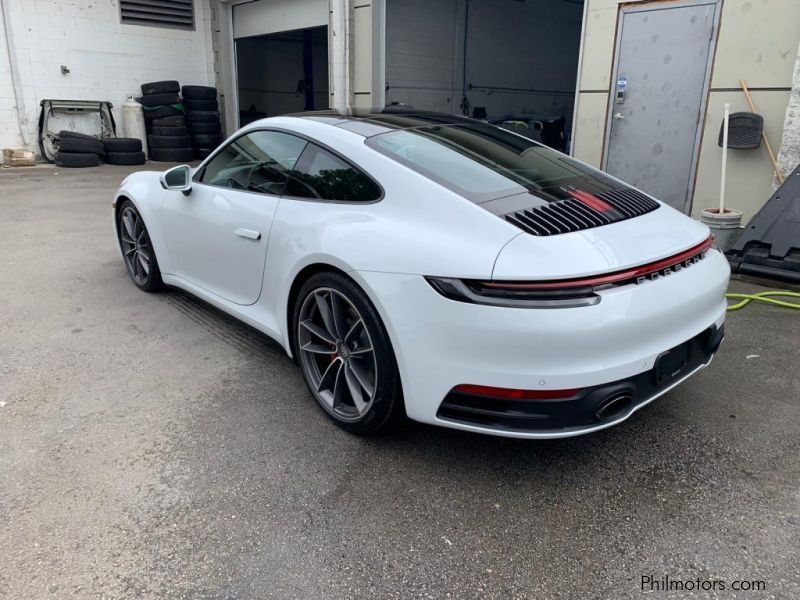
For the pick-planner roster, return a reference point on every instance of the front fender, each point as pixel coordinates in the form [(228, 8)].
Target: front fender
[(144, 190)]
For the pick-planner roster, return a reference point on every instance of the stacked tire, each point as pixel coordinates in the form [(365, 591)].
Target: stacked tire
[(123, 151), (167, 137), (202, 118), (78, 150)]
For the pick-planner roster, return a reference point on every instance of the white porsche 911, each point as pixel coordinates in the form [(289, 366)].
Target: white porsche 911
[(436, 266)]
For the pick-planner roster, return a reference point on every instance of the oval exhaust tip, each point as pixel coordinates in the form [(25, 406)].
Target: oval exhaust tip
[(614, 406)]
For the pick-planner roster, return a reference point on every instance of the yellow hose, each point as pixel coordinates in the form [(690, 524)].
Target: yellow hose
[(745, 299)]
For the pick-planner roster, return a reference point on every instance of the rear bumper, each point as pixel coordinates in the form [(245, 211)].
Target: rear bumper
[(590, 409), (441, 343)]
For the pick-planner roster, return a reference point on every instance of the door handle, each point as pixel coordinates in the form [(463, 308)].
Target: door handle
[(248, 233), (619, 116)]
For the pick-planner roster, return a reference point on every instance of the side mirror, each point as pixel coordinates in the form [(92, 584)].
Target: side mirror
[(178, 179)]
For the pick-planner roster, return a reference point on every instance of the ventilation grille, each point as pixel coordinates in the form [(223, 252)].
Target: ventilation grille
[(158, 13), (565, 216)]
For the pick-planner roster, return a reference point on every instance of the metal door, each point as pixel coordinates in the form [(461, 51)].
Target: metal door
[(658, 96)]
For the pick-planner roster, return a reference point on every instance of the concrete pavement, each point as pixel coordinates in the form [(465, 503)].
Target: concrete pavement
[(152, 447)]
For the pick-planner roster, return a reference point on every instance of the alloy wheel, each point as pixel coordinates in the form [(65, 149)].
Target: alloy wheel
[(336, 354), (135, 245)]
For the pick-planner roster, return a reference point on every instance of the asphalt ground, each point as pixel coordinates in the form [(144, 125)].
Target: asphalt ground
[(152, 447)]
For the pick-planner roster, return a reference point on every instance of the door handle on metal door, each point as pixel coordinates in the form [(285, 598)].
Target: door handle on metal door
[(619, 116), (248, 233)]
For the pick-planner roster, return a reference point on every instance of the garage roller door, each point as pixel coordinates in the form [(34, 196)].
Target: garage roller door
[(272, 16)]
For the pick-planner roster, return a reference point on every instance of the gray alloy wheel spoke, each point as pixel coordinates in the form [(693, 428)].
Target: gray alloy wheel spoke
[(355, 388), (357, 352), (145, 262), (361, 377), (337, 314), (339, 386), (328, 380), (325, 313), (336, 354), (357, 325), (127, 220), (317, 348), (130, 250), (318, 331)]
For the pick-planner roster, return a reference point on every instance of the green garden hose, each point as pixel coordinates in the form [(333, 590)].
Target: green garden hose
[(766, 297)]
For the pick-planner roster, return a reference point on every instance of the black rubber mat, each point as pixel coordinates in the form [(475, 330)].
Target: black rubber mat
[(770, 245)]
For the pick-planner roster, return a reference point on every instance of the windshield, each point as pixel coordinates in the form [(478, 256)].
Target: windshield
[(482, 162)]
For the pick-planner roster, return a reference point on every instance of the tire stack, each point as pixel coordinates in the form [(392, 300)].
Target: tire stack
[(202, 118), (78, 150), (167, 137), (123, 151)]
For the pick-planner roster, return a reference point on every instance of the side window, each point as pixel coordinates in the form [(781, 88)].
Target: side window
[(259, 161), (321, 175)]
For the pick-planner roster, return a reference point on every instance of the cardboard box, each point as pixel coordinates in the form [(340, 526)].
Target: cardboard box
[(18, 158)]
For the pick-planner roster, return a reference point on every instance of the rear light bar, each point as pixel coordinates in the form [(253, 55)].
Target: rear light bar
[(513, 394), (563, 293), (618, 277)]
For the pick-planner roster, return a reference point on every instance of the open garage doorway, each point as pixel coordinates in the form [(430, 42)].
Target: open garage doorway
[(512, 62), (282, 73)]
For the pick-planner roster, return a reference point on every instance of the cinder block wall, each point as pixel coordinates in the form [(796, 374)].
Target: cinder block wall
[(107, 60)]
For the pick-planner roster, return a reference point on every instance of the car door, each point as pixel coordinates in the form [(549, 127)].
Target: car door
[(217, 235)]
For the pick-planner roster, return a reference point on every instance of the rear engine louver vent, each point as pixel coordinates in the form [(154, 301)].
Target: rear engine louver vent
[(160, 13), (565, 216)]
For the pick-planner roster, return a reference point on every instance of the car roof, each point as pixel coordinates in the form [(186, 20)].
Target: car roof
[(369, 123)]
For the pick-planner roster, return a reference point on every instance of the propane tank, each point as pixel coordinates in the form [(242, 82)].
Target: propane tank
[(133, 121)]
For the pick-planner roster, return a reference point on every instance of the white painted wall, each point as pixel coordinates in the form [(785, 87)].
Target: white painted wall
[(519, 46), (107, 60)]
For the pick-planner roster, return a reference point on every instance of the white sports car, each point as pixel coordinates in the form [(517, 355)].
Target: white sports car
[(436, 266)]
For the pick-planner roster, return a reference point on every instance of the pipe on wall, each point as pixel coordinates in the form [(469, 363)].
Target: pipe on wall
[(340, 46), (22, 115)]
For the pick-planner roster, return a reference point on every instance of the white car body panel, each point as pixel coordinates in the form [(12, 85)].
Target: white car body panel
[(206, 236), (629, 243), (420, 228)]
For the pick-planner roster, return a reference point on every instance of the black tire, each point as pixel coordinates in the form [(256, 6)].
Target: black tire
[(152, 281), (168, 141), (75, 134), (173, 121), (202, 116), (193, 104), (161, 87), (386, 407), (81, 146), (206, 140), (159, 100), (201, 153), (151, 114), (76, 159), (169, 131), (199, 92), (122, 145), (125, 158), (179, 155), (197, 127)]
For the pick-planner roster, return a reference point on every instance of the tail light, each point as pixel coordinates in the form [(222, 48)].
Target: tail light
[(562, 293), (511, 296)]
